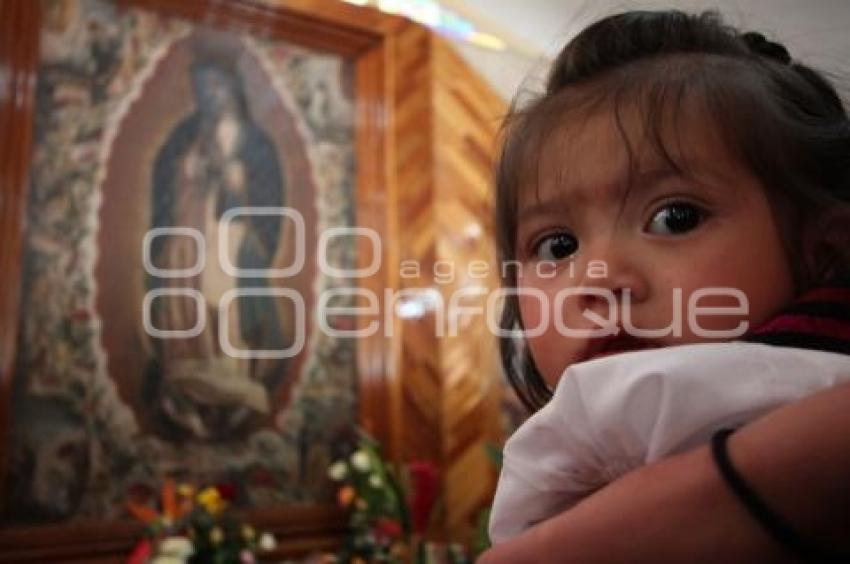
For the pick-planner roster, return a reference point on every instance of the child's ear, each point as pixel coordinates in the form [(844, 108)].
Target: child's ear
[(826, 246)]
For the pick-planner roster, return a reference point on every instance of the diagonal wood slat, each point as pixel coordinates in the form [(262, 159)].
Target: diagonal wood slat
[(446, 126)]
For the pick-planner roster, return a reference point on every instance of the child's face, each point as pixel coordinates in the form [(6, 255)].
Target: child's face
[(714, 229)]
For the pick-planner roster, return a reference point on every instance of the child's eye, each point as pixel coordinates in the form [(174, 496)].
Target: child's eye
[(675, 218), (556, 246)]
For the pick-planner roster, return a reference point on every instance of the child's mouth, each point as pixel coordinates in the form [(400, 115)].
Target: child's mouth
[(616, 344)]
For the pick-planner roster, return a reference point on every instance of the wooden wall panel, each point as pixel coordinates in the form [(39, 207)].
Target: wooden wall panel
[(447, 121), (17, 56), (468, 115), (419, 370)]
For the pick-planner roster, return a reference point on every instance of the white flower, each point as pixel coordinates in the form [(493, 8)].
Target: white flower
[(169, 560), (360, 460), (267, 542), (177, 547), (216, 535), (337, 471), (375, 481)]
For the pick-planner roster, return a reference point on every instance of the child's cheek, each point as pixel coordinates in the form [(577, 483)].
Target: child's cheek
[(715, 315), (552, 352)]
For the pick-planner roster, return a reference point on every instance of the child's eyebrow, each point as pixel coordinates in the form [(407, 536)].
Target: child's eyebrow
[(610, 189), (555, 206)]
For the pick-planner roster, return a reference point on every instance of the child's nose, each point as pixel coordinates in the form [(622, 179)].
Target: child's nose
[(613, 273)]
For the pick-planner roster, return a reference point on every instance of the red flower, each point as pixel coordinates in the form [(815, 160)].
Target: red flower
[(425, 488), (226, 491), (387, 528), (141, 553)]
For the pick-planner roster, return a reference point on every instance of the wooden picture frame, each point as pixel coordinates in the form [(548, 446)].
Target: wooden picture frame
[(366, 38)]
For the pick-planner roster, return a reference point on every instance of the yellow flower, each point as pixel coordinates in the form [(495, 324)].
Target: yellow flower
[(216, 535), (248, 532), (211, 500)]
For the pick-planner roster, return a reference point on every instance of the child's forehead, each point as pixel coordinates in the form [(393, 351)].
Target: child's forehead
[(604, 153)]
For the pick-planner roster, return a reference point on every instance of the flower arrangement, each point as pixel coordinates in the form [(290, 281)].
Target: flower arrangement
[(390, 518), (195, 526), (390, 509)]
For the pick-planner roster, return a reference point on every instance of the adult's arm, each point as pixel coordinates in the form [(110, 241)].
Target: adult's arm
[(797, 458)]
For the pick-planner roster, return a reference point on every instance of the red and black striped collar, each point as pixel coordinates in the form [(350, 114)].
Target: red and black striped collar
[(818, 320)]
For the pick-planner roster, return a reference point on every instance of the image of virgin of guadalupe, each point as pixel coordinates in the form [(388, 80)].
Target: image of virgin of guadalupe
[(215, 159)]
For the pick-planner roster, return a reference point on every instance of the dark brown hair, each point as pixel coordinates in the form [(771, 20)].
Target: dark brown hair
[(783, 120)]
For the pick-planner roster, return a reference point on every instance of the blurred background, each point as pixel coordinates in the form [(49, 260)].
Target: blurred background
[(532, 32), (247, 252)]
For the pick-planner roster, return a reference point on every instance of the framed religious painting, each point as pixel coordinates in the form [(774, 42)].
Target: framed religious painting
[(183, 184)]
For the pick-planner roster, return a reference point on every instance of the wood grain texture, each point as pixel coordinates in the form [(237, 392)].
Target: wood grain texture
[(18, 55), (467, 119), (414, 140), (446, 128)]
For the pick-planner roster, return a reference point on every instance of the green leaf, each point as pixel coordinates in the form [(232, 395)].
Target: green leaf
[(494, 453), (482, 535)]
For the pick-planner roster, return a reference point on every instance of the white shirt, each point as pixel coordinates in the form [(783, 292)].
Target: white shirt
[(611, 415)]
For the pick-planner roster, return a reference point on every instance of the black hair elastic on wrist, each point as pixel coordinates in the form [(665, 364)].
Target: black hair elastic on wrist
[(775, 525)]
